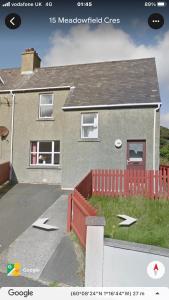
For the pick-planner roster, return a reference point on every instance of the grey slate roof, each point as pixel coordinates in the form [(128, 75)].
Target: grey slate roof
[(105, 83)]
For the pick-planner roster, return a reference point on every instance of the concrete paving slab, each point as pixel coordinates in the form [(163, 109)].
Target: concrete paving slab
[(63, 265), (34, 247), (6, 281)]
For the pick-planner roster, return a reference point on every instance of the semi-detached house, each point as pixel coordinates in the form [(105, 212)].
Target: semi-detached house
[(65, 120)]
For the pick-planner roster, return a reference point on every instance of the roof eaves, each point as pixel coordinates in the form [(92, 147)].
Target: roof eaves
[(110, 105), (36, 89)]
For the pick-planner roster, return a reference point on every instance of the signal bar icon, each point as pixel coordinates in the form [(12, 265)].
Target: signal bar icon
[(8, 4)]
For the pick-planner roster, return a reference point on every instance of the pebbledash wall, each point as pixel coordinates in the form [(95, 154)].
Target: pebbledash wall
[(28, 127), (78, 156)]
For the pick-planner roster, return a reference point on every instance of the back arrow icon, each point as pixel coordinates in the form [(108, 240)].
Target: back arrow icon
[(11, 21), (41, 224)]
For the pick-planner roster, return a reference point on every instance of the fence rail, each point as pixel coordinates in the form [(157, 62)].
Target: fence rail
[(4, 172)]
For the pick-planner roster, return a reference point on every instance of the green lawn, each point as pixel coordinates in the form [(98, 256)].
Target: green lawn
[(152, 226)]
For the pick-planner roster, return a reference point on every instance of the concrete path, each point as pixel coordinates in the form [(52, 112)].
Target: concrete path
[(6, 281), (21, 206), (63, 265), (34, 247), (45, 256)]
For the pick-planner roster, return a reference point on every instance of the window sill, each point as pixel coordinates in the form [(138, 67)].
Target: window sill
[(46, 119), (89, 140), (45, 167)]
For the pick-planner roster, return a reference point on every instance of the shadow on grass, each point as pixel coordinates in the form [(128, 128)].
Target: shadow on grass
[(108, 236)]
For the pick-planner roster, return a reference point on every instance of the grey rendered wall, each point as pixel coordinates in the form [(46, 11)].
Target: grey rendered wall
[(127, 265), (80, 156), (5, 120), (77, 156), (28, 128)]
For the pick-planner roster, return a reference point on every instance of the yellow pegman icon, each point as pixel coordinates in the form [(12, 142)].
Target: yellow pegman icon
[(17, 269)]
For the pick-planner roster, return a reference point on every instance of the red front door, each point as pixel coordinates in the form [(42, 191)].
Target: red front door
[(136, 154)]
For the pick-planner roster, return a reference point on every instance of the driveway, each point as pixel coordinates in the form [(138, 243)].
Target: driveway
[(21, 206)]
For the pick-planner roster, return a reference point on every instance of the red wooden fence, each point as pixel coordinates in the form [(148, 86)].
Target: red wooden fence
[(79, 208), (4, 172), (164, 168), (85, 186), (149, 183)]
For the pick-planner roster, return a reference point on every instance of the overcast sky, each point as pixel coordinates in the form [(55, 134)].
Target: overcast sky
[(70, 44)]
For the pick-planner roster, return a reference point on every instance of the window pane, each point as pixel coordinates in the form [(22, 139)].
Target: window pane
[(45, 158), (57, 146), (45, 146), (33, 159), (90, 132), (136, 152), (46, 99), (56, 159), (88, 118), (46, 111)]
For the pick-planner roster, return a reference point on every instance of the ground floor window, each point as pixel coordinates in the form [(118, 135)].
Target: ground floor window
[(45, 153)]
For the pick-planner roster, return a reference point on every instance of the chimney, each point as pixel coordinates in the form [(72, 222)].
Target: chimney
[(30, 61)]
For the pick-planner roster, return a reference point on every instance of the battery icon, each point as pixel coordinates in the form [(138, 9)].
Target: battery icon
[(161, 4)]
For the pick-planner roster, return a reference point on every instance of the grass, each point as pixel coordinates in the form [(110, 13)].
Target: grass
[(152, 226)]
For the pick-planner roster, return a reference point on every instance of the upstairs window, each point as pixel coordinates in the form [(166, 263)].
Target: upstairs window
[(45, 153), (46, 106), (89, 126)]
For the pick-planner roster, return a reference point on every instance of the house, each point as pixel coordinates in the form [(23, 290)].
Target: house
[(65, 120)]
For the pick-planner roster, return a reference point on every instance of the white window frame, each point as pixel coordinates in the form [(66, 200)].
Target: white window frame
[(89, 125), (40, 152), (40, 105)]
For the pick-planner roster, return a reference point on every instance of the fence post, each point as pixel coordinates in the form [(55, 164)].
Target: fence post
[(69, 213), (94, 251)]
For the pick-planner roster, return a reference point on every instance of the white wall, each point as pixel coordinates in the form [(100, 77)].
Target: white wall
[(124, 267), (114, 263)]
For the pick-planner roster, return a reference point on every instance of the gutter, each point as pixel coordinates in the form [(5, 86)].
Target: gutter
[(36, 89), (154, 136), (110, 105), (12, 133)]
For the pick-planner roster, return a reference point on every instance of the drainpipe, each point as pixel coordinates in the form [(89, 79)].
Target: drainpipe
[(12, 132), (154, 134)]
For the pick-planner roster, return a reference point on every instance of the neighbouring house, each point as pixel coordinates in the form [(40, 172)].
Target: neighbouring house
[(65, 120)]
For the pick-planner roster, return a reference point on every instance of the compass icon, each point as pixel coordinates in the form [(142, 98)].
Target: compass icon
[(155, 270)]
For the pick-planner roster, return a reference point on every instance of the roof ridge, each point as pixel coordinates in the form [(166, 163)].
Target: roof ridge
[(99, 62), (9, 69), (82, 64)]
